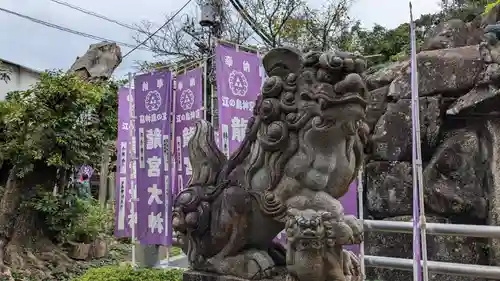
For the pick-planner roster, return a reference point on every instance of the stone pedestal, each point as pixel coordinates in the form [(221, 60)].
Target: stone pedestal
[(204, 276), (147, 255)]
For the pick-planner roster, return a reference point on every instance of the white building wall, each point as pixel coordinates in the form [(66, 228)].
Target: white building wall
[(20, 79)]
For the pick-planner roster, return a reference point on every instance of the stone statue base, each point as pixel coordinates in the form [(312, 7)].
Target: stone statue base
[(191, 275)]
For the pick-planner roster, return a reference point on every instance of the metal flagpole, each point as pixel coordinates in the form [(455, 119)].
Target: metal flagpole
[(132, 171), (419, 233), (361, 216), (205, 92)]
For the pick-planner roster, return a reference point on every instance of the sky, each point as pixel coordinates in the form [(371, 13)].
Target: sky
[(39, 47)]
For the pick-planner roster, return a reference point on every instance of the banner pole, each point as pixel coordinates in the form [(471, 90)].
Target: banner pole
[(173, 160), (205, 89), (359, 188), (419, 221), (131, 165)]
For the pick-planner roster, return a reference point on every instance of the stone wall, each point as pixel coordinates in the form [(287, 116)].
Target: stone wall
[(460, 126)]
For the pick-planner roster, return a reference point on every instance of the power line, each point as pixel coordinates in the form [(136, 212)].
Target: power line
[(94, 14), (97, 15), (251, 21), (62, 28), (160, 28)]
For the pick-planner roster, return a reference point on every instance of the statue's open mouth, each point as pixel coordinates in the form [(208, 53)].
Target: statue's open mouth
[(351, 98), (326, 101), (309, 233), (329, 115)]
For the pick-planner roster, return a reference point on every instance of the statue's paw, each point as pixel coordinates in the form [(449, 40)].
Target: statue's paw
[(356, 226), (260, 265), (352, 266), (342, 234), (251, 264)]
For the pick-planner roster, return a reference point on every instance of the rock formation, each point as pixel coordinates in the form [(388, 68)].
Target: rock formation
[(459, 80), (302, 149), (99, 62)]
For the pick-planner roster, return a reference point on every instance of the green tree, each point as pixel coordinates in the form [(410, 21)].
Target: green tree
[(463, 9), (46, 131), (300, 26)]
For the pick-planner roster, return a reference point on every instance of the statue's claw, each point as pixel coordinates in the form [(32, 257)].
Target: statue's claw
[(352, 266)]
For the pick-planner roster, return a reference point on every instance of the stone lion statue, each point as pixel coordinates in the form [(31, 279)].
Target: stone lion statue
[(302, 148)]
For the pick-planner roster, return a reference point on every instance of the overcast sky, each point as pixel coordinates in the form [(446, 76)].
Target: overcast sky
[(40, 47)]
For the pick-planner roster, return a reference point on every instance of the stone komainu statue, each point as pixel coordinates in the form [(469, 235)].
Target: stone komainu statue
[(302, 148)]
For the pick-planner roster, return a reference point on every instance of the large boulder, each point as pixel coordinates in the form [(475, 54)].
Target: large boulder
[(388, 189), (450, 72), (392, 134)]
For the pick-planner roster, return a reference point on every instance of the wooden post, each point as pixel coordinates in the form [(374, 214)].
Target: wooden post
[(111, 186), (103, 180)]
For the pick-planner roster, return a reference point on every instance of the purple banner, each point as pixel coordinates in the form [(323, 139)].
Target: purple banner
[(238, 85), (122, 193), (188, 107), (153, 92), (350, 203)]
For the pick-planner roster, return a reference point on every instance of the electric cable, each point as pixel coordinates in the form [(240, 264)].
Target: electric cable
[(69, 30), (251, 21), (160, 28), (94, 14)]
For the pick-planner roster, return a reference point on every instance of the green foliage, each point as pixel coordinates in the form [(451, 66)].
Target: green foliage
[(95, 221), (463, 8), (126, 273), (389, 44), (490, 6), (57, 212), (60, 121), (69, 218), (175, 251)]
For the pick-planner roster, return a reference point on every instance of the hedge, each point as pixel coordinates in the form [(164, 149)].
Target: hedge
[(126, 273)]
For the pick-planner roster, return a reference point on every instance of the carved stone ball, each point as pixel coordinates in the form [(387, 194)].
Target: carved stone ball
[(269, 196), (290, 117), (272, 87), (185, 198), (192, 218), (270, 109), (176, 222), (275, 131), (291, 79), (308, 77), (288, 98)]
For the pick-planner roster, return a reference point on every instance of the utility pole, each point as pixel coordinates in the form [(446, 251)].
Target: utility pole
[(205, 35), (210, 29)]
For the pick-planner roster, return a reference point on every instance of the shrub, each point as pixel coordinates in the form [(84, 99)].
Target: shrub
[(126, 273), (89, 225), (68, 217), (57, 212)]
